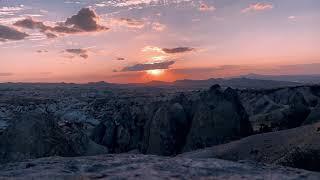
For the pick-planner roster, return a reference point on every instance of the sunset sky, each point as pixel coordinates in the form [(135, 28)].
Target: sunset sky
[(125, 41)]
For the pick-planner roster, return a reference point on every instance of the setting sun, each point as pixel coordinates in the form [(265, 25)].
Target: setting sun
[(155, 72)]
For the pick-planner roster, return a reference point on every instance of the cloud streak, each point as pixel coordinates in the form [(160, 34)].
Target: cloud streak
[(177, 50), (83, 53), (127, 22), (204, 7), (258, 7), (145, 67), (121, 59), (10, 11), (139, 4), (8, 33), (30, 23)]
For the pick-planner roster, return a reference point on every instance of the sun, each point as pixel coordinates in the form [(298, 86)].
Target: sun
[(155, 72)]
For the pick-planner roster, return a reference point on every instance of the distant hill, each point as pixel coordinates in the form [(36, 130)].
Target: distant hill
[(310, 79), (240, 83)]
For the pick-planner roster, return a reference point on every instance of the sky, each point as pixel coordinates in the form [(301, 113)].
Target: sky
[(129, 41)]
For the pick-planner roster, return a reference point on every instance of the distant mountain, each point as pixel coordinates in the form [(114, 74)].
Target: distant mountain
[(250, 82), (310, 79), (101, 84), (240, 83), (42, 85)]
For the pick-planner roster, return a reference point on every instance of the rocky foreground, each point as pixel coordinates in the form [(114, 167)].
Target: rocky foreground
[(126, 166), (65, 124), (298, 147)]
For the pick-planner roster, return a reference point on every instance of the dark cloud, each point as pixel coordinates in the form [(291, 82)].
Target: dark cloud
[(132, 23), (29, 23), (86, 20), (6, 74), (51, 35), (65, 29), (42, 51), (144, 67), (177, 50), (121, 59), (76, 51), (8, 33), (80, 52), (84, 56)]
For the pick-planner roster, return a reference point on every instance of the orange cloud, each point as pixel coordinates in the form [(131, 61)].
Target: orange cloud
[(205, 7), (8, 33), (258, 7), (152, 48)]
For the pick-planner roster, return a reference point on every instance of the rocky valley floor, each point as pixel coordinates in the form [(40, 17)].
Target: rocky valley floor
[(98, 130)]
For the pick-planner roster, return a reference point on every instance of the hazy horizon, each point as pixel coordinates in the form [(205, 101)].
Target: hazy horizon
[(131, 41)]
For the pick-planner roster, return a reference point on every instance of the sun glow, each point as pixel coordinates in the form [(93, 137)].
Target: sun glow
[(155, 72)]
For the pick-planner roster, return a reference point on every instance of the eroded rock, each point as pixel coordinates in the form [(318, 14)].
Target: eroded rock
[(126, 166), (219, 117), (36, 135), (298, 147)]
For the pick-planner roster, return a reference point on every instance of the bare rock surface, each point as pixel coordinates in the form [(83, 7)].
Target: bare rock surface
[(219, 117), (313, 117), (298, 147), (39, 135), (181, 123), (128, 166), (96, 118), (165, 133), (281, 108)]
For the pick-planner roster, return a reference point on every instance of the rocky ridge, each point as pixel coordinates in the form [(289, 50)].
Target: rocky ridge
[(298, 147), (124, 166), (80, 120)]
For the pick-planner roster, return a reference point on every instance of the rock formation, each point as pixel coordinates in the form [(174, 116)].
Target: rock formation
[(298, 147), (167, 129), (38, 135), (219, 117)]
